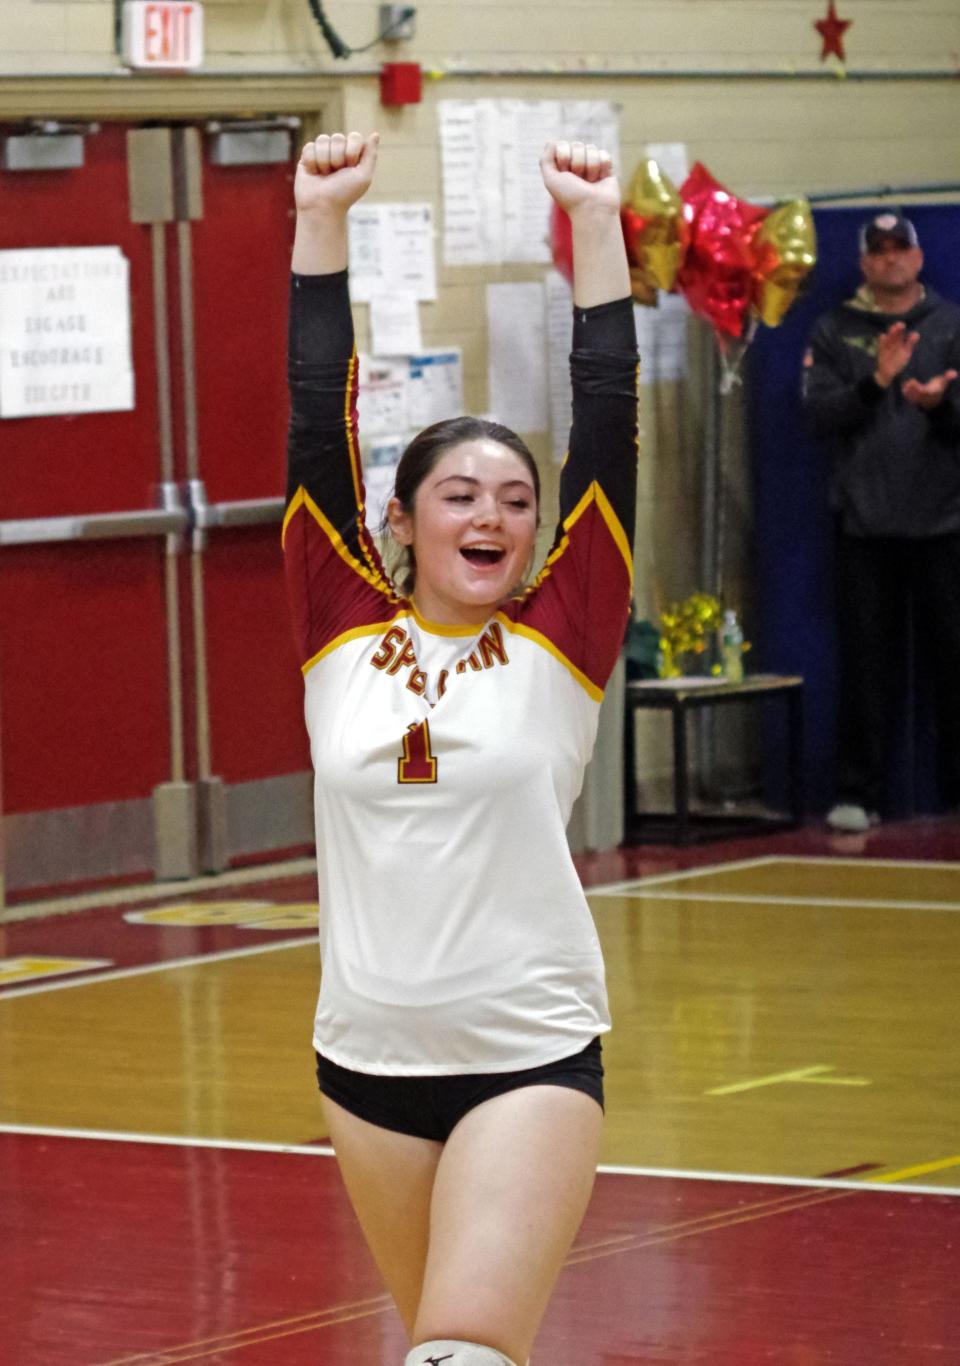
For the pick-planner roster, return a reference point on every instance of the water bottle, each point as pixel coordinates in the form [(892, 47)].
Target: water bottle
[(731, 647)]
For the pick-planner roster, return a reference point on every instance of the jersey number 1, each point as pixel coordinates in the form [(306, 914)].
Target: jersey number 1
[(417, 765)]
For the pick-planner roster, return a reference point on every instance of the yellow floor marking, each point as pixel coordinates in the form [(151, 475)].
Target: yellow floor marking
[(906, 1172), (804, 1075), (155, 891), (837, 1081), (246, 915), (28, 969)]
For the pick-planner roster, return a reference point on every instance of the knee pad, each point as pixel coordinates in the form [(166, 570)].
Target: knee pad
[(448, 1353)]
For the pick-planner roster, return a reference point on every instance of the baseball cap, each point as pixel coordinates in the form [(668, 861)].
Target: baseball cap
[(890, 223)]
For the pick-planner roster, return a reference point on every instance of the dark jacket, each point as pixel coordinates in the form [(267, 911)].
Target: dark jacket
[(896, 467)]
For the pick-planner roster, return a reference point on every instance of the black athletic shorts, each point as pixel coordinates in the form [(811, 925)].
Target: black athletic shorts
[(430, 1107)]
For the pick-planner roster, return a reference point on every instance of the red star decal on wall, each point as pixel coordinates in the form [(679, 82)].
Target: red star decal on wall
[(831, 30)]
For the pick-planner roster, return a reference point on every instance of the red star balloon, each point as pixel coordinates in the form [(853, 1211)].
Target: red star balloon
[(715, 277), (831, 30)]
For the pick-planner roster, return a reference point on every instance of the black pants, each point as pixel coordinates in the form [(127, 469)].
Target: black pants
[(884, 585)]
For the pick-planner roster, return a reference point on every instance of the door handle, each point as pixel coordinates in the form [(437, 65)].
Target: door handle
[(102, 526), (206, 516)]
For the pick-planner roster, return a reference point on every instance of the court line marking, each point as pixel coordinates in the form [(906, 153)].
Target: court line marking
[(141, 969), (586, 1252), (290, 869), (756, 899), (738, 865), (718, 1223), (635, 884), (805, 1076), (680, 874), (893, 1181), (744, 1214), (825, 859), (135, 893), (168, 1140), (318, 1318), (14, 993)]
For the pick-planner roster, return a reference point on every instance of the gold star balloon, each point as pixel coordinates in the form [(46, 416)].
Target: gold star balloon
[(786, 252), (655, 231)]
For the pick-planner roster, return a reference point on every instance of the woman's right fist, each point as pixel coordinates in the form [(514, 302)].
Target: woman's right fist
[(335, 170)]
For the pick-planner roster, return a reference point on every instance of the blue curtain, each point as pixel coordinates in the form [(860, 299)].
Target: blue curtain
[(795, 630)]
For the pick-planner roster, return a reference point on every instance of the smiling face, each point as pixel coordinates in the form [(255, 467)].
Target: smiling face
[(472, 530)]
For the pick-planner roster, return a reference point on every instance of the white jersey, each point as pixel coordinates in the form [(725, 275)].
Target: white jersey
[(454, 933)]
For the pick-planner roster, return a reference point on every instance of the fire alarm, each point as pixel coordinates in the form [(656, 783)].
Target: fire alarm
[(401, 83)]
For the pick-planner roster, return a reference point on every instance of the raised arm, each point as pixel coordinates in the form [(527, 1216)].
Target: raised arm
[(336, 582), (581, 599), (580, 179), (333, 173)]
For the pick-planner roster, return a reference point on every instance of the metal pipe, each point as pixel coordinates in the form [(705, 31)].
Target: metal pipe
[(162, 343), (881, 192), (174, 661), (165, 412), (188, 344), (200, 659), (192, 462), (558, 72), (711, 567), (546, 73)]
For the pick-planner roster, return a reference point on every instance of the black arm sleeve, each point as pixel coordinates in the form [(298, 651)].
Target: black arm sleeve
[(604, 369), (321, 369)]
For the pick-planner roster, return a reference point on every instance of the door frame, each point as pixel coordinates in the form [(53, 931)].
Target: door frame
[(120, 98), (112, 99)]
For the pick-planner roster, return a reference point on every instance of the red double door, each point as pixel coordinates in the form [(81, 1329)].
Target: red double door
[(150, 699)]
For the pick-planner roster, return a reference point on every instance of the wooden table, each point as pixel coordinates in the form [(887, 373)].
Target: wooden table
[(680, 696)]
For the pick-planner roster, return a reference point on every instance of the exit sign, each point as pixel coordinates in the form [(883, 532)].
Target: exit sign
[(163, 35)]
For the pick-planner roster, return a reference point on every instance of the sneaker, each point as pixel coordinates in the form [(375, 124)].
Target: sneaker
[(851, 818)]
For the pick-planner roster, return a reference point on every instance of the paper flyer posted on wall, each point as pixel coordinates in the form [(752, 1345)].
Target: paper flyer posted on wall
[(162, 35), (64, 331)]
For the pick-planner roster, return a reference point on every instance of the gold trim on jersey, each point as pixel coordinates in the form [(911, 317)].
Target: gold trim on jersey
[(295, 502), (370, 574), (437, 628), (373, 628), (513, 628), (356, 468), (520, 629), (593, 494)]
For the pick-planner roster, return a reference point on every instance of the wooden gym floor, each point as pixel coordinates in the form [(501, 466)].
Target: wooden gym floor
[(782, 1154)]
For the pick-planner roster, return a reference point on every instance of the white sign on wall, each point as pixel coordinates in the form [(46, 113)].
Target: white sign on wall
[(391, 247), (163, 35), (495, 206), (64, 331)]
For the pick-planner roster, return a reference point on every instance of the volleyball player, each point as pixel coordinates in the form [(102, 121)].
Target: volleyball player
[(451, 715)]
